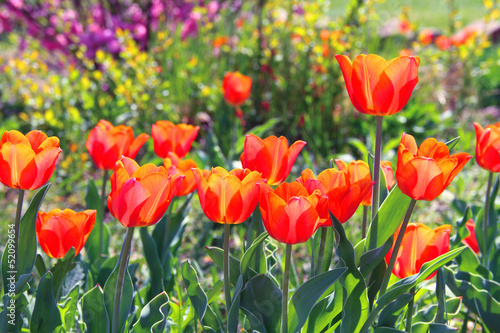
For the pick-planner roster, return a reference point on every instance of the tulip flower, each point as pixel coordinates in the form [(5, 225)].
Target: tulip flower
[(140, 195), (107, 144), (471, 240), (228, 197), (420, 244), (174, 165), (168, 137), (270, 156), (488, 147), (27, 162), (379, 87), (443, 43), (424, 172), (60, 230), (236, 88), (344, 195)]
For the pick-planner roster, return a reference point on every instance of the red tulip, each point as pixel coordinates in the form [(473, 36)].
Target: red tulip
[(237, 88), (270, 156), (424, 172), (27, 162), (107, 144), (488, 147), (471, 240), (228, 197), (443, 42), (379, 87), (290, 214), (386, 168), (168, 137), (344, 196), (60, 230), (174, 165), (420, 244), (140, 195)]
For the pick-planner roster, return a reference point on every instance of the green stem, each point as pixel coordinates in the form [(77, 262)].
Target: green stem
[(365, 218), (466, 321), (485, 220), (105, 178), (166, 237), (409, 312), (313, 258), (376, 168), (321, 251), (440, 294), (123, 262), (395, 249), (286, 278), (227, 282)]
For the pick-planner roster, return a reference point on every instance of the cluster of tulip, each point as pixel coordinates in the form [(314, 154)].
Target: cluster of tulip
[(291, 211)]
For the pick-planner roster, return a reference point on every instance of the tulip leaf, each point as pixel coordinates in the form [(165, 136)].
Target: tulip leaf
[(40, 265), (94, 313), (93, 244), (494, 265), (196, 294), (326, 312), (233, 315), (106, 269), (153, 316), (387, 330), (390, 314), (217, 255), (126, 299), (370, 259), (390, 216), (328, 250), (356, 305), (60, 269), (261, 302), (255, 229), (46, 316), (428, 314), (306, 296), (255, 250), (155, 267), (452, 143), (69, 307), (485, 246)]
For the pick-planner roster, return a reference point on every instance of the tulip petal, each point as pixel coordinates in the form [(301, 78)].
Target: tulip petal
[(137, 144), (127, 203), (45, 165)]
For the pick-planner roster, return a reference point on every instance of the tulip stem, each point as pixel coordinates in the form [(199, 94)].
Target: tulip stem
[(286, 278), (409, 312), (395, 249), (123, 262), (376, 169), (365, 218), (105, 178), (321, 251), (485, 220), (227, 282), (166, 237)]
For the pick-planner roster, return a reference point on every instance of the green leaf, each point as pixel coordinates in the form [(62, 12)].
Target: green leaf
[(106, 268), (370, 259), (93, 244), (69, 308), (60, 269), (94, 313), (155, 268), (217, 255), (196, 294), (153, 316), (387, 330), (441, 328), (256, 227), (452, 143), (40, 265), (390, 216), (126, 299), (328, 253), (485, 246), (325, 312), (46, 316), (390, 314), (428, 314), (306, 296), (233, 315), (255, 250)]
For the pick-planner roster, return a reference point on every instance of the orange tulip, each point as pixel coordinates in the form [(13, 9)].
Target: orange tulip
[(270, 156), (228, 197), (420, 244), (471, 240), (379, 87), (174, 165), (140, 195), (424, 172), (488, 147), (168, 137), (443, 42), (60, 230), (107, 144), (237, 88), (344, 196), (27, 162), (290, 214)]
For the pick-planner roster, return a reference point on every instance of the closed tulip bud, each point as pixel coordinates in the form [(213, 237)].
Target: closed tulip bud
[(168, 137), (27, 162), (107, 144), (237, 88), (60, 230), (488, 147)]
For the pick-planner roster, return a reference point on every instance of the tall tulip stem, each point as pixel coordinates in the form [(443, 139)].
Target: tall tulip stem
[(227, 282), (395, 249), (123, 262), (321, 251), (409, 312), (105, 178), (486, 218), (365, 218), (376, 168), (286, 279)]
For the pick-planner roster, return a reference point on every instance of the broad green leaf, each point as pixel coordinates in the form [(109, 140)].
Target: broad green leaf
[(107, 268), (387, 330), (328, 252), (153, 316), (40, 265), (485, 246), (255, 229), (253, 251), (125, 301), (306, 296), (68, 309), (390, 217), (94, 313), (93, 244), (154, 264), (390, 314), (196, 294), (46, 316), (427, 314), (325, 312), (217, 255), (233, 315), (370, 259), (60, 269)]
